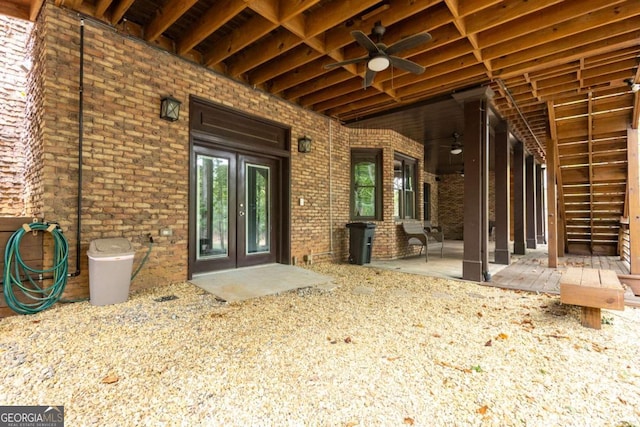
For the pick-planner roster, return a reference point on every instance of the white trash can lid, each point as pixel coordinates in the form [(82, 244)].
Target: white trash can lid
[(110, 247)]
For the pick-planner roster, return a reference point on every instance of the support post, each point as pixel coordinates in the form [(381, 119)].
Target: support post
[(519, 192), (540, 237), (502, 169), (552, 204), (530, 197), (476, 140), (634, 199)]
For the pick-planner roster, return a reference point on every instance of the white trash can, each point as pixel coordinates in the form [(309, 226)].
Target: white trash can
[(110, 267)]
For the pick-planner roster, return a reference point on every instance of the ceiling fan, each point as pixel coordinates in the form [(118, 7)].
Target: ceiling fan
[(381, 56), (456, 146)]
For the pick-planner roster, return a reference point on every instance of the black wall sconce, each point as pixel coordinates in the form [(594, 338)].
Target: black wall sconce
[(304, 144), (169, 109)]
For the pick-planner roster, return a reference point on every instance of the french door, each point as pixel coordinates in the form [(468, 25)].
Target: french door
[(235, 210)]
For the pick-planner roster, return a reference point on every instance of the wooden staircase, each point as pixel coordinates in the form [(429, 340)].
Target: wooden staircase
[(590, 131)]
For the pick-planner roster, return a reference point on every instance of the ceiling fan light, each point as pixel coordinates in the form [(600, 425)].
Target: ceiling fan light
[(456, 149), (378, 63)]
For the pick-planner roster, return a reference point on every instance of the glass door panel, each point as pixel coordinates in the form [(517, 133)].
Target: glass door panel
[(257, 192), (213, 210), (256, 216), (213, 207)]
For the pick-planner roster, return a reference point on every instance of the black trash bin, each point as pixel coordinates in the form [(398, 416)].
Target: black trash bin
[(360, 242)]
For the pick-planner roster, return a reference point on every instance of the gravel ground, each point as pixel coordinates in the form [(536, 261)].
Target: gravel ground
[(380, 349)]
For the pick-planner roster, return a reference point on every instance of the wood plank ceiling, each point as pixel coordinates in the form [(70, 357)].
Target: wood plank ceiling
[(559, 68), (530, 52)]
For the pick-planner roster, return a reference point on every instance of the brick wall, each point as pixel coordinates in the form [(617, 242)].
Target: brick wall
[(390, 240), (135, 166), (13, 39), (451, 204), (433, 180)]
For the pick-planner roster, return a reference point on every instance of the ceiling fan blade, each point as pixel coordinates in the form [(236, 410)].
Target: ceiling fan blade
[(406, 65), (368, 78), (346, 62), (408, 43), (364, 41)]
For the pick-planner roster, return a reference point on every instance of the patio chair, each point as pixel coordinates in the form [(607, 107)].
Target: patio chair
[(423, 234)]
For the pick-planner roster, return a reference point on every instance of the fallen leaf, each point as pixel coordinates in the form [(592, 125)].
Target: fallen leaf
[(479, 314), (418, 325), (557, 336), (36, 321), (409, 421), (482, 410), (502, 336), (347, 340), (436, 335), (110, 379), (488, 344)]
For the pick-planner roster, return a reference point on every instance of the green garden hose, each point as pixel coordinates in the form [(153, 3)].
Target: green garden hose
[(36, 298)]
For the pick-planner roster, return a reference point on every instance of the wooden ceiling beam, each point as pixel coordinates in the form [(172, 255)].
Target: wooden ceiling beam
[(335, 91), (278, 42), (34, 9), (15, 10), (622, 35), (357, 96), (295, 58), (101, 7), (340, 35), (369, 106), (304, 87), (268, 9), (554, 16), (254, 29), (467, 7), (303, 76), (121, 8), (443, 80), (433, 71), (214, 18), (170, 13), (574, 27), (284, 40), (503, 12), (627, 65), (319, 84)]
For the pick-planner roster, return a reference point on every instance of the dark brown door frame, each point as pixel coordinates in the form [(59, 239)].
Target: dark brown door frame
[(218, 127)]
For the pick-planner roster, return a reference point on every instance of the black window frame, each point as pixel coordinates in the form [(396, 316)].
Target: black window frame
[(374, 156), (404, 161)]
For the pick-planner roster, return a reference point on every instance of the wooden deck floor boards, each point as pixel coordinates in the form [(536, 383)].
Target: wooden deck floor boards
[(530, 272)]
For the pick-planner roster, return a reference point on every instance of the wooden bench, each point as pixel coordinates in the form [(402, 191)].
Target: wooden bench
[(592, 289), (418, 234)]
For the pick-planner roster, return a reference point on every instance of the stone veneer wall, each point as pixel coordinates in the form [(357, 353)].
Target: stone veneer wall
[(135, 166), (13, 50)]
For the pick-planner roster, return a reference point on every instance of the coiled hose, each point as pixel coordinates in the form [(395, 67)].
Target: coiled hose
[(36, 298)]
